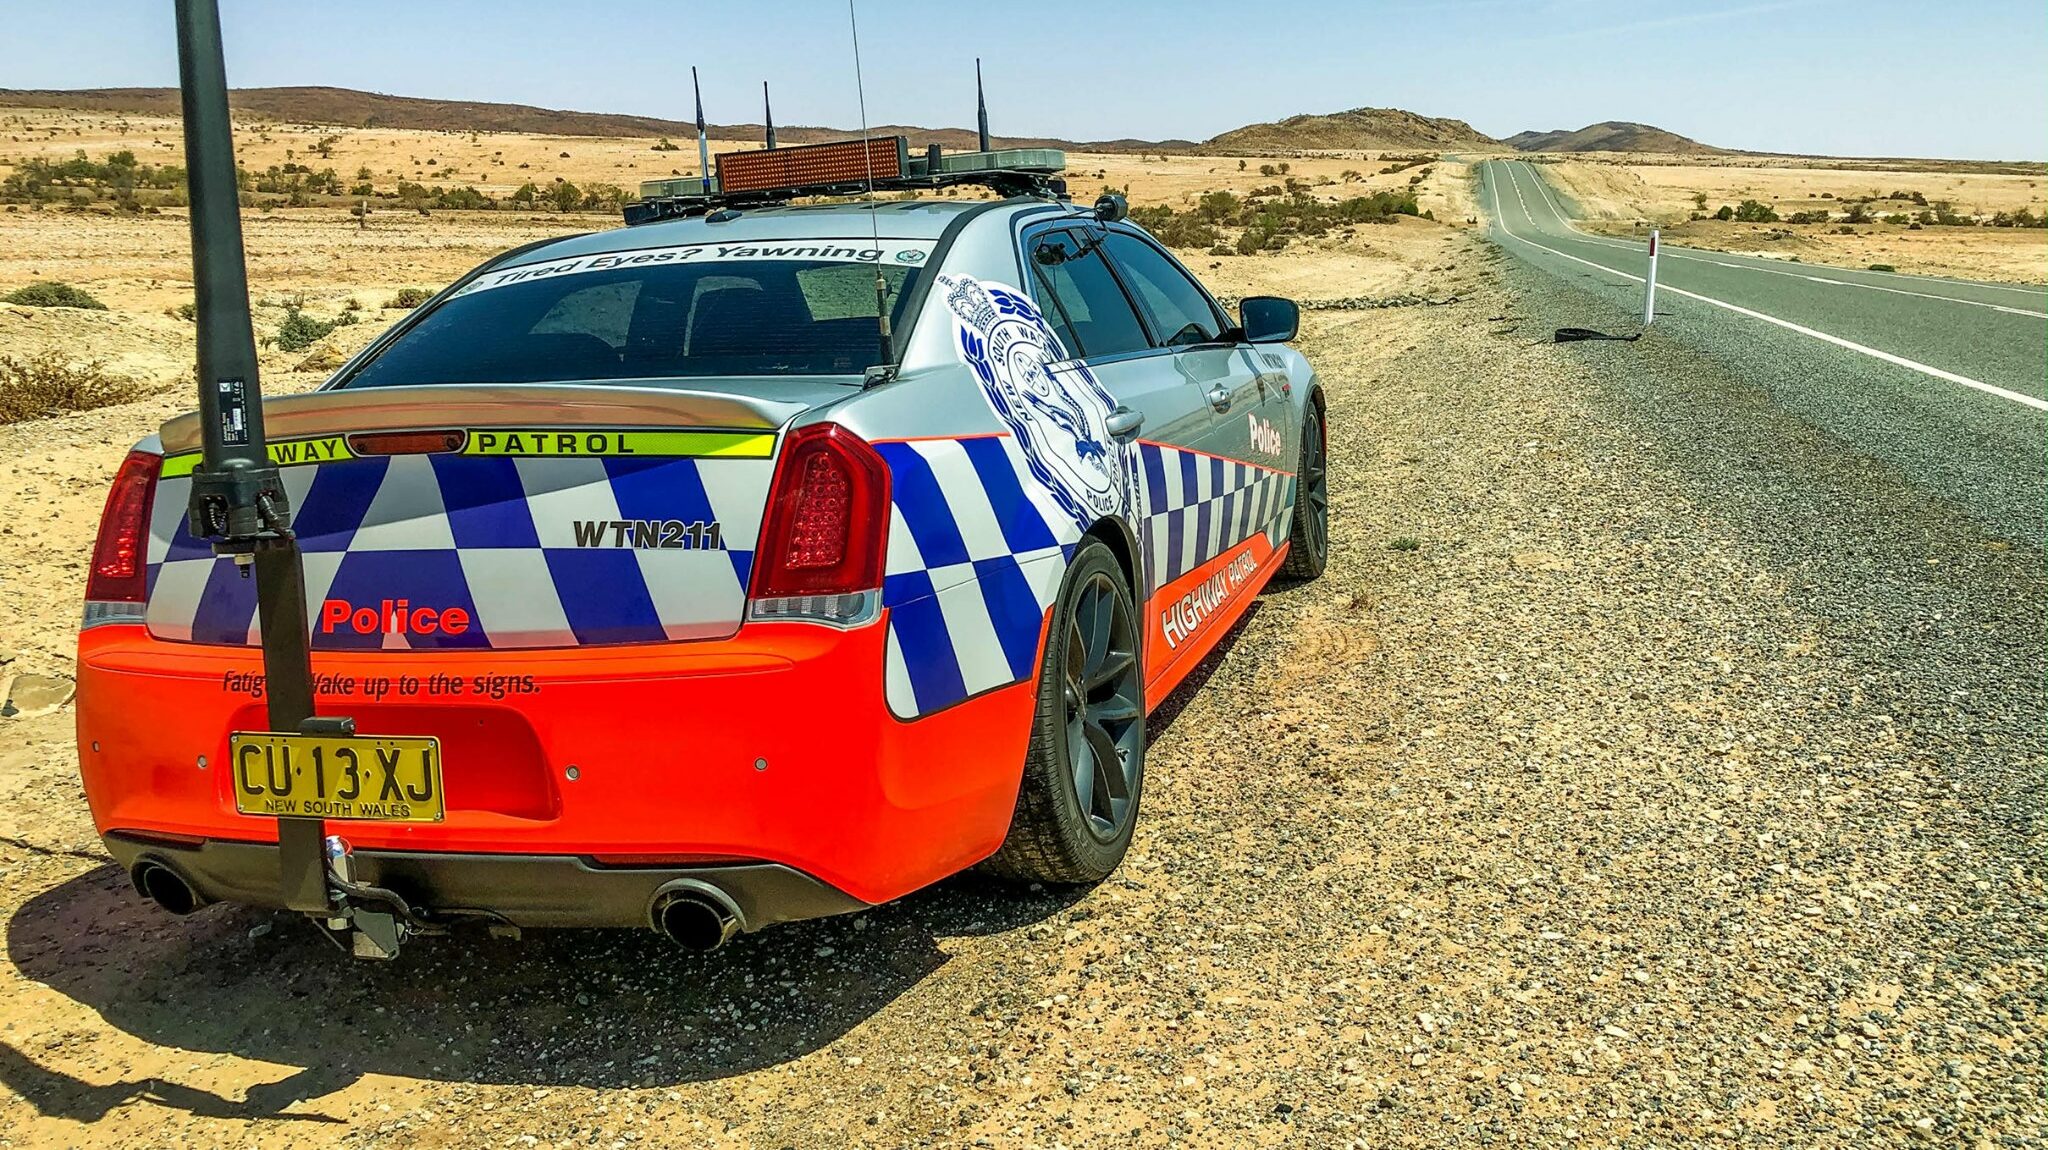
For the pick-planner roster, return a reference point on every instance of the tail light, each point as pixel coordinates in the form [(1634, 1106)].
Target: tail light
[(118, 580), (821, 550)]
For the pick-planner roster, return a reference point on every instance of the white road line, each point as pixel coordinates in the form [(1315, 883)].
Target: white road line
[(1680, 254), (1824, 337)]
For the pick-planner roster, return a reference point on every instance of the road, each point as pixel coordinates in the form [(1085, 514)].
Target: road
[(1944, 379)]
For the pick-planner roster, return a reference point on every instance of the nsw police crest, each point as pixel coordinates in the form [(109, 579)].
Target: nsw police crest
[(1055, 408)]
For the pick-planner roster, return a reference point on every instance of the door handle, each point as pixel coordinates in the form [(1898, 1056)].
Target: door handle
[(1219, 397), (1124, 422)]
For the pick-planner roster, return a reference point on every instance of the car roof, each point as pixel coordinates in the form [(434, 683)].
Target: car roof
[(896, 219)]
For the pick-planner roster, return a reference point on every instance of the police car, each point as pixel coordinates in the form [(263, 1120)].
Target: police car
[(757, 561)]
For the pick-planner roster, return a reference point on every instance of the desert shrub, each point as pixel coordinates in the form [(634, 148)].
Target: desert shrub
[(1816, 216), (300, 331), (1944, 213), (408, 298), (1752, 212), (188, 312), (1351, 175), (1883, 267), (1699, 200), (1726, 213), (52, 294), (1177, 229), (667, 145), (1268, 170), (565, 196), (1859, 213), (46, 384), (2019, 219)]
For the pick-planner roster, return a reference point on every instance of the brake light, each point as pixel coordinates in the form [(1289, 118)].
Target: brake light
[(821, 549), (119, 571)]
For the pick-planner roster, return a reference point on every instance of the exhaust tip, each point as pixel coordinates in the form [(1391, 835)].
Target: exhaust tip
[(165, 887), (696, 918)]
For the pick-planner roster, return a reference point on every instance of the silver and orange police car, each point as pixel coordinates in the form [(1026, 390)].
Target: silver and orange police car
[(757, 561)]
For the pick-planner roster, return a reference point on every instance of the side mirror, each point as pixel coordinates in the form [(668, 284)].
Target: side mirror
[(1269, 319)]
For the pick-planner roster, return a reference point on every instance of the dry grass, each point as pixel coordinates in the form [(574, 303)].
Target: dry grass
[(47, 383)]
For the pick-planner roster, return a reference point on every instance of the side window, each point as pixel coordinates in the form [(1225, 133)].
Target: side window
[(1182, 309), (1084, 303)]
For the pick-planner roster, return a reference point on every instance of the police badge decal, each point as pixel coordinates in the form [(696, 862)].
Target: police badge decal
[(1054, 406)]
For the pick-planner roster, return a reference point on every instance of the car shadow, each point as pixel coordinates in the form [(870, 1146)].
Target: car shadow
[(569, 1007)]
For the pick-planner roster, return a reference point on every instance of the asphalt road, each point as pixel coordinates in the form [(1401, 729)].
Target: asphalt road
[(1944, 380)]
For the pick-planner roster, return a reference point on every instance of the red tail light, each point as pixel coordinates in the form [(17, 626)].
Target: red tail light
[(119, 572), (828, 514)]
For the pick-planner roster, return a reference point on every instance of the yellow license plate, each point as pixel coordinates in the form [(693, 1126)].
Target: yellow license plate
[(392, 779)]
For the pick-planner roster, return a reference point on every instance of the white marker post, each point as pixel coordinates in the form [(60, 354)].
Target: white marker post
[(1650, 284)]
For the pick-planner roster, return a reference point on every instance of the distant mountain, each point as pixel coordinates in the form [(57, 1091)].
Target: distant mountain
[(1360, 129), (351, 108), (1610, 136)]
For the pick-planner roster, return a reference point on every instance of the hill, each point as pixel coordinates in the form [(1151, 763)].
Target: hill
[(1611, 136), (351, 108), (1359, 129)]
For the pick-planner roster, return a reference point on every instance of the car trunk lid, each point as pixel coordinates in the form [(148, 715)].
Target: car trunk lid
[(487, 516)]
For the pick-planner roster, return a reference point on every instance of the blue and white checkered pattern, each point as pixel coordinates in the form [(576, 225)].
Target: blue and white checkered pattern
[(975, 559), (1199, 506), (977, 550), (493, 536)]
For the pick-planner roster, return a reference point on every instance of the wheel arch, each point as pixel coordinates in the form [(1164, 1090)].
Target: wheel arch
[(1116, 534)]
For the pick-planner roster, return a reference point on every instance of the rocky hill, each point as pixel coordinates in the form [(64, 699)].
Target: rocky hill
[(348, 107), (1611, 136), (1360, 129)]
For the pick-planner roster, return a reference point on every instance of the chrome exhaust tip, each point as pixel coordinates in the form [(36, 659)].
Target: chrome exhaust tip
[(695, 916), (165, 887)]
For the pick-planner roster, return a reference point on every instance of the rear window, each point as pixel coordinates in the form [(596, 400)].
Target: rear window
[(698, 310)]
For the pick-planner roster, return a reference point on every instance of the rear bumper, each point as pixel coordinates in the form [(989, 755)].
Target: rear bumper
[(774, 746), (525, 890)]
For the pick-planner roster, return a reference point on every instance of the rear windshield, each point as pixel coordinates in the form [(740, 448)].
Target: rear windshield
[(686, 311)]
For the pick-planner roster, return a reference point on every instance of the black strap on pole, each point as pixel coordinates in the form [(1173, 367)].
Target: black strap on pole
[(238, 499)]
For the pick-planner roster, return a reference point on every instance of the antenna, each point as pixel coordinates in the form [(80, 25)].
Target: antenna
[(980, 107), (874, 224), (768, 115), (703, 148)]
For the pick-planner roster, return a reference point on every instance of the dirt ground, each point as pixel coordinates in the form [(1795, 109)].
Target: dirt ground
[(1564, 821), (1626, 194)]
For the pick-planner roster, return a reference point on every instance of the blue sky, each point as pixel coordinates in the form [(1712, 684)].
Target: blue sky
[(1842, 77)]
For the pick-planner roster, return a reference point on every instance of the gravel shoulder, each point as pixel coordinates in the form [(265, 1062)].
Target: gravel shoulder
[(1680, 787)]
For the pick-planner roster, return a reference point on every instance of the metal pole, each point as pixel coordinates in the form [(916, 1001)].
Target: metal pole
[(238, 499), (1650, 284)]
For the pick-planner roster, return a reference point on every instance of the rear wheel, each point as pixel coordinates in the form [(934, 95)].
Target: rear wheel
[(1085, 770), (1309, 541)]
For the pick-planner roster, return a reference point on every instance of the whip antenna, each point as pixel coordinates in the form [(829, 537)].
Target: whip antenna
[(874, 225), (703, 147), (980, 107), (767, 115)]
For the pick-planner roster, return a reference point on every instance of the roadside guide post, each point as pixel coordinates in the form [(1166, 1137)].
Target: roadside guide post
[(1650, 284), (238, 499)]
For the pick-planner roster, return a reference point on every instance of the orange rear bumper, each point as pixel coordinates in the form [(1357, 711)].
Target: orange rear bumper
[(774, 746)]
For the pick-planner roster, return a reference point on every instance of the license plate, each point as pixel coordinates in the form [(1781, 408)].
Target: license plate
[(392, 779)]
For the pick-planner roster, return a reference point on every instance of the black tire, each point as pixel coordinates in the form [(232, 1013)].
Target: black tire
[(1090, 691), (1308, 540)]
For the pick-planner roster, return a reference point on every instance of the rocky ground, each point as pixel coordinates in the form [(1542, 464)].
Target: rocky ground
[(1642, 773)]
